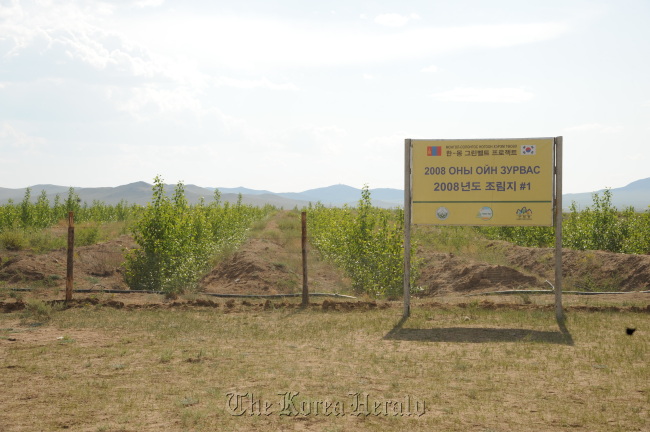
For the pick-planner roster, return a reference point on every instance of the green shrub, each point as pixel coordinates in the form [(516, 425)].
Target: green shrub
[(174, 246), (87, 235), (178, 241), (598, 227), (37, 310), (13, 240), (366, 242), (603, 227)]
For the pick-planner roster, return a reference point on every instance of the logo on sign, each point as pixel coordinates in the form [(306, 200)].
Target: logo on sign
[(524, 214), (485, 213), (434, 151), (528, 150), (442, 213)]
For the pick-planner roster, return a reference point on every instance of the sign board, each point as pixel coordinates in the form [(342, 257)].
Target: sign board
[(483, 182)]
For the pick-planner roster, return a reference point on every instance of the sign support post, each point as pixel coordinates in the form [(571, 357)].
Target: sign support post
[(407, 228), (69, 279), (559, 313), (305, 287)]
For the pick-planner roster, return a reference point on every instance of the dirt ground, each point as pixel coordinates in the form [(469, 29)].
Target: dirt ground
[(172, 366), (268, 266)]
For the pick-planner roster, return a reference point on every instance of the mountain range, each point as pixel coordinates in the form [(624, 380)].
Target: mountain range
[(636, 194), (140, 193)]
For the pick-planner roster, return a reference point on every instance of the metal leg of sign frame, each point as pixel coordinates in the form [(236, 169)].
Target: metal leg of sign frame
[(559, 312), (407, 228)]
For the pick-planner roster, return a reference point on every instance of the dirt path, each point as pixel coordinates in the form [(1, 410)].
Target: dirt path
[(271, 263)]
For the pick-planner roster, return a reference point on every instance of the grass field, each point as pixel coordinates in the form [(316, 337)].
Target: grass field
[(277, 367)]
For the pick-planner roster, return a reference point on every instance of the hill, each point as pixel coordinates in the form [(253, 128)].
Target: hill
[(636, 194), (140, 193)]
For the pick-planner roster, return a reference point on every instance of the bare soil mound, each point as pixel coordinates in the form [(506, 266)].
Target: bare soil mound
[(527, 267), (249, 271), (445, 273), (97, 266), (583, 270)]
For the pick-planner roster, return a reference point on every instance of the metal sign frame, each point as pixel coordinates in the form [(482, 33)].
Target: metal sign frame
[(555, 176)]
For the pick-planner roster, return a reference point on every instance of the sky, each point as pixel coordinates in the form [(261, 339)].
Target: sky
[(291, 95)]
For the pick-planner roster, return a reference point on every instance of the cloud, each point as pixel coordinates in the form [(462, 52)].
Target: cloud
[(66, 34), (430, 69), (148, 3), (104, 36), (73, 43), (256, 44), (324, 140), (146, 102), (394, 19), (82, 42), (489, 95), (594, 128), (263, 83), (12, 139)]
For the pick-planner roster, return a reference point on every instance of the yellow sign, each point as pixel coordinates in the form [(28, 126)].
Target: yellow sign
[(482, 182)]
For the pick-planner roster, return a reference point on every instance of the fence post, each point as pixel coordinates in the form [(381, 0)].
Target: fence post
[(69, 276), (305, 289)]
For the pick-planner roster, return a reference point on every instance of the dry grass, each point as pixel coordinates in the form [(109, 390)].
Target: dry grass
[(475, 369)]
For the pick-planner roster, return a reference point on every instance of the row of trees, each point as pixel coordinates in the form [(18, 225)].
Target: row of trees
[(178, 242), (28, 214), (366, 242), (600, 226)]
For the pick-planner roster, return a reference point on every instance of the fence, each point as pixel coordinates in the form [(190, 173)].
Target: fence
[(277, 260), (268, 265)]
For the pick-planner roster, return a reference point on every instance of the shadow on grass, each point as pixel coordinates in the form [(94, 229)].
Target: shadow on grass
[(478, 335)]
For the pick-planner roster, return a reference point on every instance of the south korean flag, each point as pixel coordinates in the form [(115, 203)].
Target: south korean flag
[(528, 150)]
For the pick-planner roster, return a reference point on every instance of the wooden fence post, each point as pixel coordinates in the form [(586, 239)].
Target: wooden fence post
[(69, 276)]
